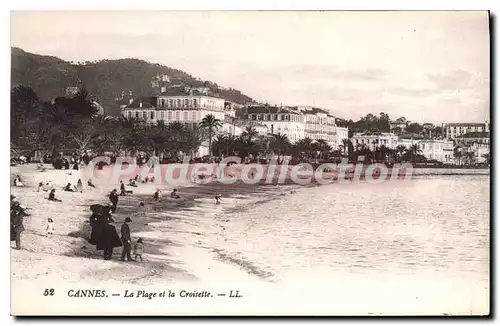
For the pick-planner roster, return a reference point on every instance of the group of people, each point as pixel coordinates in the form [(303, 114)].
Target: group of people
[(105, 237)]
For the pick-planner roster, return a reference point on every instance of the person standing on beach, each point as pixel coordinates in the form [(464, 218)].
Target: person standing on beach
[(79, 186), (50, 226), (113, 198), (109, 239), (17, 214), (122, 189), (126, 240)]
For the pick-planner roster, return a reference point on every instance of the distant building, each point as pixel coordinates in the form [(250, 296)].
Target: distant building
[(454, 130), (176, 106), (279, 120), (72, 90), (475, 137), (298, 123), (437, 149), (374, 140), (479, 150)]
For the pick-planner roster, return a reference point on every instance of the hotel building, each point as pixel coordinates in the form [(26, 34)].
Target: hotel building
[(176, 106), (437, 149), (454, 130), (375, 139), (298, 123)]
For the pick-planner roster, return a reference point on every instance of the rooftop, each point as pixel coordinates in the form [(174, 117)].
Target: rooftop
[(178, 91), (466, 124), (268, 110), (142, 103), (476, 134)]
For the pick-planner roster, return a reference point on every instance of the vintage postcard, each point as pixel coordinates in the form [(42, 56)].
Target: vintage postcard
[(250, 163)]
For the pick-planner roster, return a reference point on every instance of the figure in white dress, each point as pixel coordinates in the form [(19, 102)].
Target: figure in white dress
[(50, 226)]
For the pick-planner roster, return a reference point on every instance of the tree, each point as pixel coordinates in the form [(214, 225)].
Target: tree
[(83, 135), (400, 150), (211, 124), (249, 134), (279, 144), (219, 145), (414, 128), (486, 156), (322, 146), (413, 151)]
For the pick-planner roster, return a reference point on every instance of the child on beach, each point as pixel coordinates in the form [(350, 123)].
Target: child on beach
[(17, 182), (52, 196), (79, 186), (157, 196), (218, 197), (50, 226), (174, 194), (138, 249)]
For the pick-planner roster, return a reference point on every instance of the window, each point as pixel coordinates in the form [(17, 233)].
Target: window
[(177, 115), (178, 103), (193, 115), (162, 103), (253, 117), (169, 115), (186, 115), (144, 115), (186, 102), (152, 115), (169, 103), (162, 115), (275, 117), (195, 103)]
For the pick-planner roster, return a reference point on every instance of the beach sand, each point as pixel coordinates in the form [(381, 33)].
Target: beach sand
[(175, 231), (181, 239)]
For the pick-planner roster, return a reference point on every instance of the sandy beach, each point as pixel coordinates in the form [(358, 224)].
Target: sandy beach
[(183, 240), (172, 229)]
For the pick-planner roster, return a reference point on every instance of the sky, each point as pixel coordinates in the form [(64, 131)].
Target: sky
[(425, 66)]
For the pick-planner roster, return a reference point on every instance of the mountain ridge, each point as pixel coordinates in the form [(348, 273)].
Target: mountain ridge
[(107, 80)]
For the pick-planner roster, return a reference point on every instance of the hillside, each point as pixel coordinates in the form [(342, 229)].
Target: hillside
[(106, 79)]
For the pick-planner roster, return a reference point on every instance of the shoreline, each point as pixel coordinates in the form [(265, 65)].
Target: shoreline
[(182, 252), (170, 230)]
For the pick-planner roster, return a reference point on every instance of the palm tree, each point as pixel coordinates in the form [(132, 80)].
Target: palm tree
[(219, 144), (279, 143), (304, 146), (486, 156), (413, 151), (470, 157), (211, 124), (322, 146), (400, 150), (249, 134)]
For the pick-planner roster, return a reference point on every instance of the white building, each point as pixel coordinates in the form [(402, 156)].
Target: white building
[(188, 109), (454, 130), (279, 120), (437, 149), (298, 123), (479, 151), (475, 137), (375, 139)]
